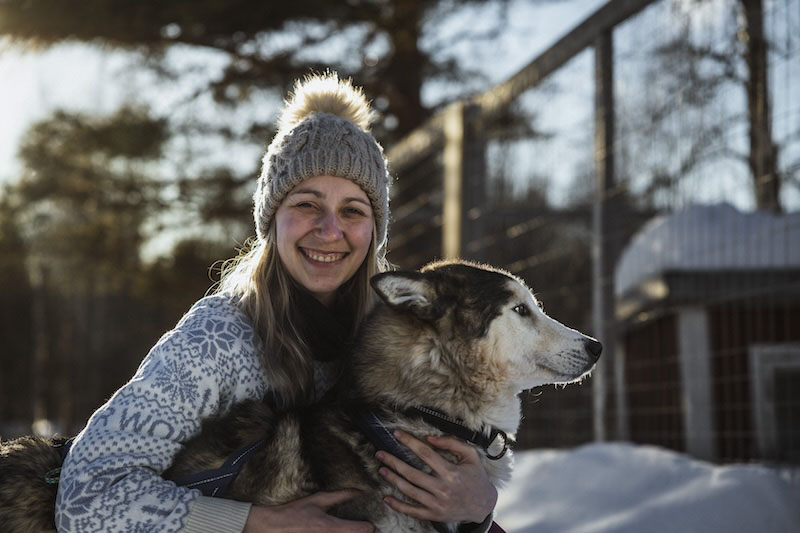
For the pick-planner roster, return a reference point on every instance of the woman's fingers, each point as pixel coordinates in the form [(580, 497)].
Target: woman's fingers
[(437, 463), (326, 500), (415, 511), (463, 452), (307, 514), (459, 491), (415, 478), (413, 491)]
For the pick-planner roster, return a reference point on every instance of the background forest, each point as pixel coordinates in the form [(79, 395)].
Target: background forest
[(118, 221), (112, 228)]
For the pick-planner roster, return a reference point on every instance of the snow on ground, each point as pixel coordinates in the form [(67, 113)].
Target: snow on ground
[(615, 488)]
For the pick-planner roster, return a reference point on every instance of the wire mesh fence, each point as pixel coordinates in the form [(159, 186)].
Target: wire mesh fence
[(641, 176)]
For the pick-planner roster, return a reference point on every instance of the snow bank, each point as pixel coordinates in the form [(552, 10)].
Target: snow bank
[(709, 237), (615, 488)]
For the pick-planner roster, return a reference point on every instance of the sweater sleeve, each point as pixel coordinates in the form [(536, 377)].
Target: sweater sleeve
[(483, 527), (212, 515), (110, 480)]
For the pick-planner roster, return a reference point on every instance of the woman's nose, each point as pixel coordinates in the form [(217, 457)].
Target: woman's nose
[(328, 226)]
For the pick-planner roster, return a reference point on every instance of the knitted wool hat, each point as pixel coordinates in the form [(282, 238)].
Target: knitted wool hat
[(323, 130)]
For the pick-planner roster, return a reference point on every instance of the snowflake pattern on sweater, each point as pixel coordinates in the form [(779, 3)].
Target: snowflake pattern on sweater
[(111, 480)]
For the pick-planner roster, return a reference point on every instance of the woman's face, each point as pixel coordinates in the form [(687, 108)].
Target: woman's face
[(324, 229)]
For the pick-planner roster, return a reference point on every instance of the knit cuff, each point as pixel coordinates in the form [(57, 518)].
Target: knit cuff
[(472, 527), (216, 515)]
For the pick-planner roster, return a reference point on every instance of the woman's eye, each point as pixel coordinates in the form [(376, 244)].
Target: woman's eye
[(522, 310), (354, 212)]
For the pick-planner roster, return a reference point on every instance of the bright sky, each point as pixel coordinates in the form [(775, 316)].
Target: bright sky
[(80, 78)]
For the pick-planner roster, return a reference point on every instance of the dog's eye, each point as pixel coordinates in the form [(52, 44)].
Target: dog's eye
[(522, 310)]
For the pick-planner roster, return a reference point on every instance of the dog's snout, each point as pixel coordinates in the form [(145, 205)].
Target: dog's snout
[(594, 348)]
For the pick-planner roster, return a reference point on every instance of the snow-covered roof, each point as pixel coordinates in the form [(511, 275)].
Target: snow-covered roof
[(707, 238)]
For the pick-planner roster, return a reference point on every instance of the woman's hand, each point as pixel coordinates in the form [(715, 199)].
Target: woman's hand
[(460, 492), (306, 514)]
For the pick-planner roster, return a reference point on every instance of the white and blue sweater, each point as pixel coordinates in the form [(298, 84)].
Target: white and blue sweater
[(111, 481)]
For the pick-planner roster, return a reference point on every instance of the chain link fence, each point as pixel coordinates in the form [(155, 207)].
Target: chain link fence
[(641, 175)]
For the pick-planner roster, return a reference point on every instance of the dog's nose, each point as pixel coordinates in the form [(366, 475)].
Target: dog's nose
[(594, 348)]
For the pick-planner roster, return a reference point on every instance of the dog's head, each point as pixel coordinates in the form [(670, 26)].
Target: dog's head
[(464, 336)]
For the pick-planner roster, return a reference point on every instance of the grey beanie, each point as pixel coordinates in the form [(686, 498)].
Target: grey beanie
[(323, 130)]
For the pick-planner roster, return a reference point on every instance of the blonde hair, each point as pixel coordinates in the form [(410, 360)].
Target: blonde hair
[(261, 286)]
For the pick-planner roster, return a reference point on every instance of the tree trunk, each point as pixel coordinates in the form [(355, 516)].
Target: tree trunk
[(763, 152), (404, 72)]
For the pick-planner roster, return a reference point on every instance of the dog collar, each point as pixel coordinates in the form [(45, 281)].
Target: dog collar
[(484, 438)]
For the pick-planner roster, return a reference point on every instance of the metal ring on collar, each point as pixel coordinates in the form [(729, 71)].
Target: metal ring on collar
[(504, 437)]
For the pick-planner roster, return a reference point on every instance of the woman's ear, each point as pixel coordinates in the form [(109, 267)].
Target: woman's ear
[(406, 291)]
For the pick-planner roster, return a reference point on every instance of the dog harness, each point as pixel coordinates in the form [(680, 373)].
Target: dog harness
[(380, 436), (217, 481), (383, 439), (452, 426), (214, 482), (53, 476)]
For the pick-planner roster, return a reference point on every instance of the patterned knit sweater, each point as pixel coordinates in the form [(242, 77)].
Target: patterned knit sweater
[(111, 478)]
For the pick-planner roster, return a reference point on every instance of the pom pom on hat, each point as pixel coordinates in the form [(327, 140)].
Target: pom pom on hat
[(323, 129), (326, 94)]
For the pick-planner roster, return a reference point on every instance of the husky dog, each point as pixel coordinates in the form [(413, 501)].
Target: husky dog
[(447, 350)]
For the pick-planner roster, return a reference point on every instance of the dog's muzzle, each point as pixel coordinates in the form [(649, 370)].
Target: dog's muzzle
[(594, 348)]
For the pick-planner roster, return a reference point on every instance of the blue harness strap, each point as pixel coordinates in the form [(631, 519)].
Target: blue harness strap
[(210, 482), (381, 437), (64, 447), (53, 476), (216, 482)]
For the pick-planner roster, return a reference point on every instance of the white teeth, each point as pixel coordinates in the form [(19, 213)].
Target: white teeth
[(323, 258)]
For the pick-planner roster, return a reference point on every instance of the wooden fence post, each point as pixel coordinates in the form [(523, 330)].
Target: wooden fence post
[(453, 161), (609, 377), (464, 180)]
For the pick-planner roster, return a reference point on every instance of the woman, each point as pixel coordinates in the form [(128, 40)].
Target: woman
[(277, 325)]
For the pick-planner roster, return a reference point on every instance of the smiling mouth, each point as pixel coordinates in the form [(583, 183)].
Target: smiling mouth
[(323, 257)]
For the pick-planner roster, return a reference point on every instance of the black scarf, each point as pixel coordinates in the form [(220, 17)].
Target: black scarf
[(328, 331)]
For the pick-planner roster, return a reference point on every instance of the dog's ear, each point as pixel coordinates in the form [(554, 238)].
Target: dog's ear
[(406, 291)]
